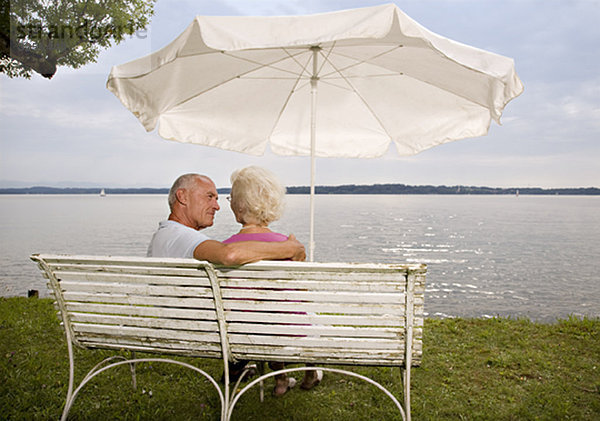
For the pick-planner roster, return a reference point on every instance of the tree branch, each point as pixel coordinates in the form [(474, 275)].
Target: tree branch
[(43, 65)]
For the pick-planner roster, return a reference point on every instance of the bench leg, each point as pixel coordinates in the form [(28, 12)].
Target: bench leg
[(406, 387), (96, 371), (68, 401), (132, 367), (327, 369), (261, 372), (246, 372)]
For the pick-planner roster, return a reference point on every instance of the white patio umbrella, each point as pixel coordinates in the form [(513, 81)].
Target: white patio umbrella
[(341, 84)]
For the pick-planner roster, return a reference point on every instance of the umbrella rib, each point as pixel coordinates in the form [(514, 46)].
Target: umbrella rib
[(326, 57), (470, 100), (269, 65), (143, 74), (353, 89), (271, 78), (326, 81), (359, 62), (291, 91), (337, 71), (243, 75), (262, 65), (409, 75), (293, 57)]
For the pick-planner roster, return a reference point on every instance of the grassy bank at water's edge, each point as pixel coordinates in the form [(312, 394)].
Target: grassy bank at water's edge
[(475, 369)]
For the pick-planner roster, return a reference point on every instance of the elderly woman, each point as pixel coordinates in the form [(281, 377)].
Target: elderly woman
[(257, 199)]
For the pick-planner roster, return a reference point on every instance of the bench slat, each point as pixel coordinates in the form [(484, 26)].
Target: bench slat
[(196, 303), (291, 306), (311, 342), (198, 349), (326, 356), (152, 322), (135, 289), (288, 266), (283, 265), (140, 269), (325, 296), (128, 310), (316, 318), (316, 330), (314, 275), (351, 285), (132, 278), (146, 333)]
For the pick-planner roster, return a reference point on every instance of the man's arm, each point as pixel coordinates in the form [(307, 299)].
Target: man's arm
[(235, 254)]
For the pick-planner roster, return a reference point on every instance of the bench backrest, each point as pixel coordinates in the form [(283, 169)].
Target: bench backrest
[(339, 313)]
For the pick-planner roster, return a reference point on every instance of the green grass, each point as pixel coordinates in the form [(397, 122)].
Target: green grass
[(473, 369)]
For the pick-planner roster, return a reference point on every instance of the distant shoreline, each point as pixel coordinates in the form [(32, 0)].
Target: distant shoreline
[(343, 189)]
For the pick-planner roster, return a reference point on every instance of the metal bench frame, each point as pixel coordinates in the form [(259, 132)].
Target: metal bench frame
[(319, 313)]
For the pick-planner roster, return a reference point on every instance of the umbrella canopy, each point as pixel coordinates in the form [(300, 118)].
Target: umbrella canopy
[(341, 84)]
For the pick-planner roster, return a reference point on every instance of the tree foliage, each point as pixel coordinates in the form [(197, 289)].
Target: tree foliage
[(39, 35)]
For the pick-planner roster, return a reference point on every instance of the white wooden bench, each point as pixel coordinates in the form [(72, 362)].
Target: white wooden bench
[(319, 313)]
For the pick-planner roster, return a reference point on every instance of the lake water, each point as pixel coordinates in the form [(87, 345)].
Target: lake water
[(526, 256)]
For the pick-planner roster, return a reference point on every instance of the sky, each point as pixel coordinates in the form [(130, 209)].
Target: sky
[(71, 131)]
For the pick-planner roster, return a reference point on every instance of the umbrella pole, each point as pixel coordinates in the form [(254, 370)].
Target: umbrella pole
[(313, 129)]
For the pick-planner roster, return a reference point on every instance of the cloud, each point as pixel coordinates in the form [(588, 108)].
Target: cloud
[(583, 104), (69, 116)]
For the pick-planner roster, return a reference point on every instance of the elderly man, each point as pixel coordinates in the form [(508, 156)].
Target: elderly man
[(193, 203)]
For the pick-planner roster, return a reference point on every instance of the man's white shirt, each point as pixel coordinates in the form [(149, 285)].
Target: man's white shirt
[(173, 239)]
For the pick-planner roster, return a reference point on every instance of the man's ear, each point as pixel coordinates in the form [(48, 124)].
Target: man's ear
[(181, 196)]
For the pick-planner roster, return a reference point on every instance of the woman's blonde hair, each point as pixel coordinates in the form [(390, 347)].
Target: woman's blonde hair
[(257, 195)]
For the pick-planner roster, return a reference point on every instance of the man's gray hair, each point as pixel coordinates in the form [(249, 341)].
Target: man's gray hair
[(184, 181)]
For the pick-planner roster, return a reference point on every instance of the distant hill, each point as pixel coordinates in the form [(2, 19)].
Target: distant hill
[(407, 189), (80, 190), (344, 189)]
